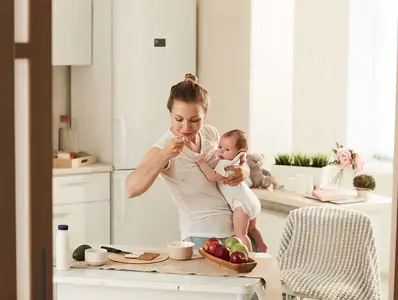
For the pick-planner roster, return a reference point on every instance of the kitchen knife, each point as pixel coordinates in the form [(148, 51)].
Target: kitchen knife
[(115, 250)]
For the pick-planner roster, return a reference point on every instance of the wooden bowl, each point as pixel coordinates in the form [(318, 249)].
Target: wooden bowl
[(240, 268)]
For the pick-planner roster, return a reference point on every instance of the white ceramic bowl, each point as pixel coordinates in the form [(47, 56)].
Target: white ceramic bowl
[(95, 257), (180, 250)]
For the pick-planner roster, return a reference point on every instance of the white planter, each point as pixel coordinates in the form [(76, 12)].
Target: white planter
[(320, 176), (363, 193)]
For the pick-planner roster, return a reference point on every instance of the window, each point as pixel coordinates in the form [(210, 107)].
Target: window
[(385, 66), (372, 77)]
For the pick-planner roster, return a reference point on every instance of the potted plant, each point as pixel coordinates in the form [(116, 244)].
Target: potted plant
[(363, 184), (289, 165)]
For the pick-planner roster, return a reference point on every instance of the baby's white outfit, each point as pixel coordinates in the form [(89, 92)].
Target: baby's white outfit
[(240, 195)]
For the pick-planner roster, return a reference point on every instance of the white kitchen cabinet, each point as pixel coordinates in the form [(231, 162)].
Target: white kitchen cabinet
[(80, 292), (272, 225), (77, 284), (81, 188), (72, 32), (82, 201)]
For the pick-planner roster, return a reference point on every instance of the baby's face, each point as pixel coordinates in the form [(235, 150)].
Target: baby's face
[(227, 148)]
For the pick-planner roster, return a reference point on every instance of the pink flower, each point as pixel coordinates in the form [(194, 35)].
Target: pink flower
[(359, 162), (344, 158)]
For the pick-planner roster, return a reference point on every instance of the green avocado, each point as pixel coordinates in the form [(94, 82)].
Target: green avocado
[(78, 254)]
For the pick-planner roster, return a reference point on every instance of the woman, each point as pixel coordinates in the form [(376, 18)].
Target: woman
[(203, 211)]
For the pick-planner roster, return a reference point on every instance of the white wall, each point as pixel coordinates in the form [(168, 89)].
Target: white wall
[(60, 92), (224, 61), (320, 75), (245, 60), (92, 87), (271, 114)]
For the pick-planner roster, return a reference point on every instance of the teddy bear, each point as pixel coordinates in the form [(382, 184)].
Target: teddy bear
[(259, 177)]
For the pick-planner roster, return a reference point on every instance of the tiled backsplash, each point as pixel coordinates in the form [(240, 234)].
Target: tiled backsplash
[(60, 92)]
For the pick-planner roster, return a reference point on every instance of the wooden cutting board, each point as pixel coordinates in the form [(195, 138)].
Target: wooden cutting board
[(121, 259)]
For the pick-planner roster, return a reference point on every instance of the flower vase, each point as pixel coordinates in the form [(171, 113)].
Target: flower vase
[(338, 179)]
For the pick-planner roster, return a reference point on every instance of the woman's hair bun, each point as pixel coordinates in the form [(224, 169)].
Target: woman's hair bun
[(191, 77)]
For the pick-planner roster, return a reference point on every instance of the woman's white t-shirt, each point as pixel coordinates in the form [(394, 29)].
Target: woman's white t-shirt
[(203, 211)]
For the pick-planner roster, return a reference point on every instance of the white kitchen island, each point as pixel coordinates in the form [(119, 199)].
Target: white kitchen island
[(83, 284)]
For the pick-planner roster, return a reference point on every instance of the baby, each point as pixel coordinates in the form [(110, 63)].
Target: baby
[(244, 203)]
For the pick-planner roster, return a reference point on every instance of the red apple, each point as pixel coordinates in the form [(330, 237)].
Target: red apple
[(239, 257), (222, 252), (213, 247), (208, 242)]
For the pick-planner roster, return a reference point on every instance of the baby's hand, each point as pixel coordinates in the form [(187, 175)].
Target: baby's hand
[(200, 160)]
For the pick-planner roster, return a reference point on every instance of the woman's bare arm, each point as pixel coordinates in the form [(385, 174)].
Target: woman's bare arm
[(141, 179), (155, 160)]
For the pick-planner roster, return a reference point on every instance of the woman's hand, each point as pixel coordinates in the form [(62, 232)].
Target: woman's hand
[(240, 173), (173, 148)]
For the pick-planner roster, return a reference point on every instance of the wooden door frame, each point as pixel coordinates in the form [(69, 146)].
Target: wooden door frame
[(39, 53), (37, 50), (8, 288)]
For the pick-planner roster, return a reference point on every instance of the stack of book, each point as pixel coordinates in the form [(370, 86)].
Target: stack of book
[(338, 196)]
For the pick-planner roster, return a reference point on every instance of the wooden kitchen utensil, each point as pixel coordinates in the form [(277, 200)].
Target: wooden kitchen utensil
[(121, 259), (240, 268)]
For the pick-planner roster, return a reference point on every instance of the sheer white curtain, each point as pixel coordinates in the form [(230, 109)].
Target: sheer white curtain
[(372, 64), (385, 66)]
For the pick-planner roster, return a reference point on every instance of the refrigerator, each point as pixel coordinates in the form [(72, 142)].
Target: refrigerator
[(154, 45)]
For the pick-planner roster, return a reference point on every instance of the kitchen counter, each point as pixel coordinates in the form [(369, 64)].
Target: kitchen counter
[(76, 284), (92, 168), (284, 202)]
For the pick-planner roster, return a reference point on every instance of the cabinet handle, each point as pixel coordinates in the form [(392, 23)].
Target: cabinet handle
[(61, 214), (75, 183)]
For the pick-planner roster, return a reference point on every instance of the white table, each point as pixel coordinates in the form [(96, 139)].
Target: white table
[(83, 284), (282, 201)]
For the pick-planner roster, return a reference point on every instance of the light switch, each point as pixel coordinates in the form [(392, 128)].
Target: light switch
[(160, 43)]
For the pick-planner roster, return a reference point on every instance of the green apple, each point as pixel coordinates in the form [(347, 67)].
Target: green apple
[(239, 247), (231, 241)]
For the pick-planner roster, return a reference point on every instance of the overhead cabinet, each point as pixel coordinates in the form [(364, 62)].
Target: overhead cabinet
[(72, 27)]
